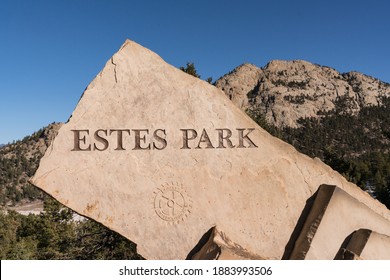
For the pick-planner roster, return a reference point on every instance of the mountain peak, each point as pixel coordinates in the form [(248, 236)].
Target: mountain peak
[(275, 64), (285, 91)]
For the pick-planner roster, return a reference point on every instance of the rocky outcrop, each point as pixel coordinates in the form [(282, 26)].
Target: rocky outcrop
[(285, 91), (240, 82)]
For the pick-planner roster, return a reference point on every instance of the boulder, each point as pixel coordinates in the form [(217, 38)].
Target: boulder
[(162, 157)]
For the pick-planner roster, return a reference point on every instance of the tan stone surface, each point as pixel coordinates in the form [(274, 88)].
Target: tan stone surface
[(369, 245), (333, 217), (165, 200), (377, 247), (220, 247)]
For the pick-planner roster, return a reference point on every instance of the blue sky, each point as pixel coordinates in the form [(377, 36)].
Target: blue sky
[(51, 50)]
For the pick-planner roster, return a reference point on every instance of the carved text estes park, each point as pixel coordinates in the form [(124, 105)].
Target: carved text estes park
[(146, 139)]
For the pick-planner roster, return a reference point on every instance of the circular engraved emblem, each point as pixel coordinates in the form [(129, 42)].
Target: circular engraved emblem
[(172, 203)]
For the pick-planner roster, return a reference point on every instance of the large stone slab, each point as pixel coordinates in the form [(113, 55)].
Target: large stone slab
[(333, 217), (162, 157)]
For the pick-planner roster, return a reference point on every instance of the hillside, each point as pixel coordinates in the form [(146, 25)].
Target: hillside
[(18, 162), (286, 91)]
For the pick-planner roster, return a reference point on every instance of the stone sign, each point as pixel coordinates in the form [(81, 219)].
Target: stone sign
[(167, 160)]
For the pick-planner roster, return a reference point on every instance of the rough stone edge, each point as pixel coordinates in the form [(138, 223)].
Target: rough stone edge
[(313, 220), (219, 246)]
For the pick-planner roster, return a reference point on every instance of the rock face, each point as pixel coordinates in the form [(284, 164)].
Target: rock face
[(163, 158), (288, 90)]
